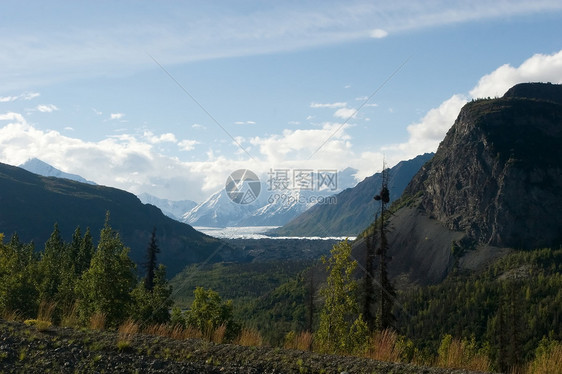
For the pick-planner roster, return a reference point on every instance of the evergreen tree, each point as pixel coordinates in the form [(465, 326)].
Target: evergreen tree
[(106, 286), (51, 265), (368, 287), (152, 306), (208, 312), (341, 330), (150, 264), (85, 252), (18, 278)]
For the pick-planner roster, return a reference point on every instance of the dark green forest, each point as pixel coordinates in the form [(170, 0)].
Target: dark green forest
[(504, 318)]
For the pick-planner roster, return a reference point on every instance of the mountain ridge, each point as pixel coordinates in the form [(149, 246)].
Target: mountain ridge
[(493, 185), (354, 208), (31, 204)]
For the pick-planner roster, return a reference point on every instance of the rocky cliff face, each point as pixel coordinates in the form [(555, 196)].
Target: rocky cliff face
[(497, 175)]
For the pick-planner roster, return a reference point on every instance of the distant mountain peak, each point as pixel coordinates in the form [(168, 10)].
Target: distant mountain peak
[(36, 166)]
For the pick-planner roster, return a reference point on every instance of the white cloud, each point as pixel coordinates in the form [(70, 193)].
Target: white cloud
[(69, 128), (98, 113), (378, 33), (46, 108), (538, 68), (198, 126), (244, 123), (179, 33), (116, 115), (187, 145), (155, 139), (328, 105), (24, 96), (8, 99), (426, 135), (345, 113)]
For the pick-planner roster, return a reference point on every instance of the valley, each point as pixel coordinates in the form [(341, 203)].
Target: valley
[(462, 269)]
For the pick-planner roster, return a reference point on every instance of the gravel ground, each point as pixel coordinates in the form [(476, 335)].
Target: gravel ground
[(24, 349)]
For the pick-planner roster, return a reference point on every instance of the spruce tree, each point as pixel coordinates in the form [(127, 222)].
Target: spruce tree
[(107, 284), (150, 264)]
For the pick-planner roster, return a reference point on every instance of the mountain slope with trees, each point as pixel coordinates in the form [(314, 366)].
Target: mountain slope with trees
[(354, 208), (30, 204)]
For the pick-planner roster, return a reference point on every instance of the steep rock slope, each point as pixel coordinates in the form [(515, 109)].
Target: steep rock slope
[(498, 173), (30, 204), (494, 183)]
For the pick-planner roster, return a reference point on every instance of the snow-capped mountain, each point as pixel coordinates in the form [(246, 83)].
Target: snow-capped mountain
[(171, 208), (272, 207), (39, 167)]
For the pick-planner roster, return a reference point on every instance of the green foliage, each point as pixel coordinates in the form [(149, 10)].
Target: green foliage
[(509, 307), (18, 278), (151, 306), (208, 312), (341, 330), (105, 287)]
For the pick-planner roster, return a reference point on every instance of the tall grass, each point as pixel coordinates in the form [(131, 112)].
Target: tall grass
[(249, 338), (548, 362), (97, 321), (45, 312), (384, 346), (302, 341), (70, 316), (11, 315), (461, 354)]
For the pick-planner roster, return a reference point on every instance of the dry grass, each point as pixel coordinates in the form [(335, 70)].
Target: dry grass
[(97, 321), (128, 329), (11, 315), (45, 312), (384, 346), (218, 335), (549, 362), (302, 341), (70, 317), (176, 332), (249, 338), (458, 355)]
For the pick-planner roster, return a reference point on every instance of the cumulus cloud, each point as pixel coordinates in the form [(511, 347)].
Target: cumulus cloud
[(46, 108), (328, 105), (155, 139), (425, 136), (187, 145), (123, 161), (345, 113), (116, 115), (245, 123), (198, 126), (538, 68), (378, 33)]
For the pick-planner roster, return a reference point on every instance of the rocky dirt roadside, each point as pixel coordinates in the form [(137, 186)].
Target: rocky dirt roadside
[(24, 349)]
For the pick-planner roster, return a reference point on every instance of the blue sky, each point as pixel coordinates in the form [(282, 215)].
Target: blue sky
[(170, 97)]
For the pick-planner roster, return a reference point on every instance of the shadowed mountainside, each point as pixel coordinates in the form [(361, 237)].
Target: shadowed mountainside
[(355, 207), (31, 204), (494, 183)]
